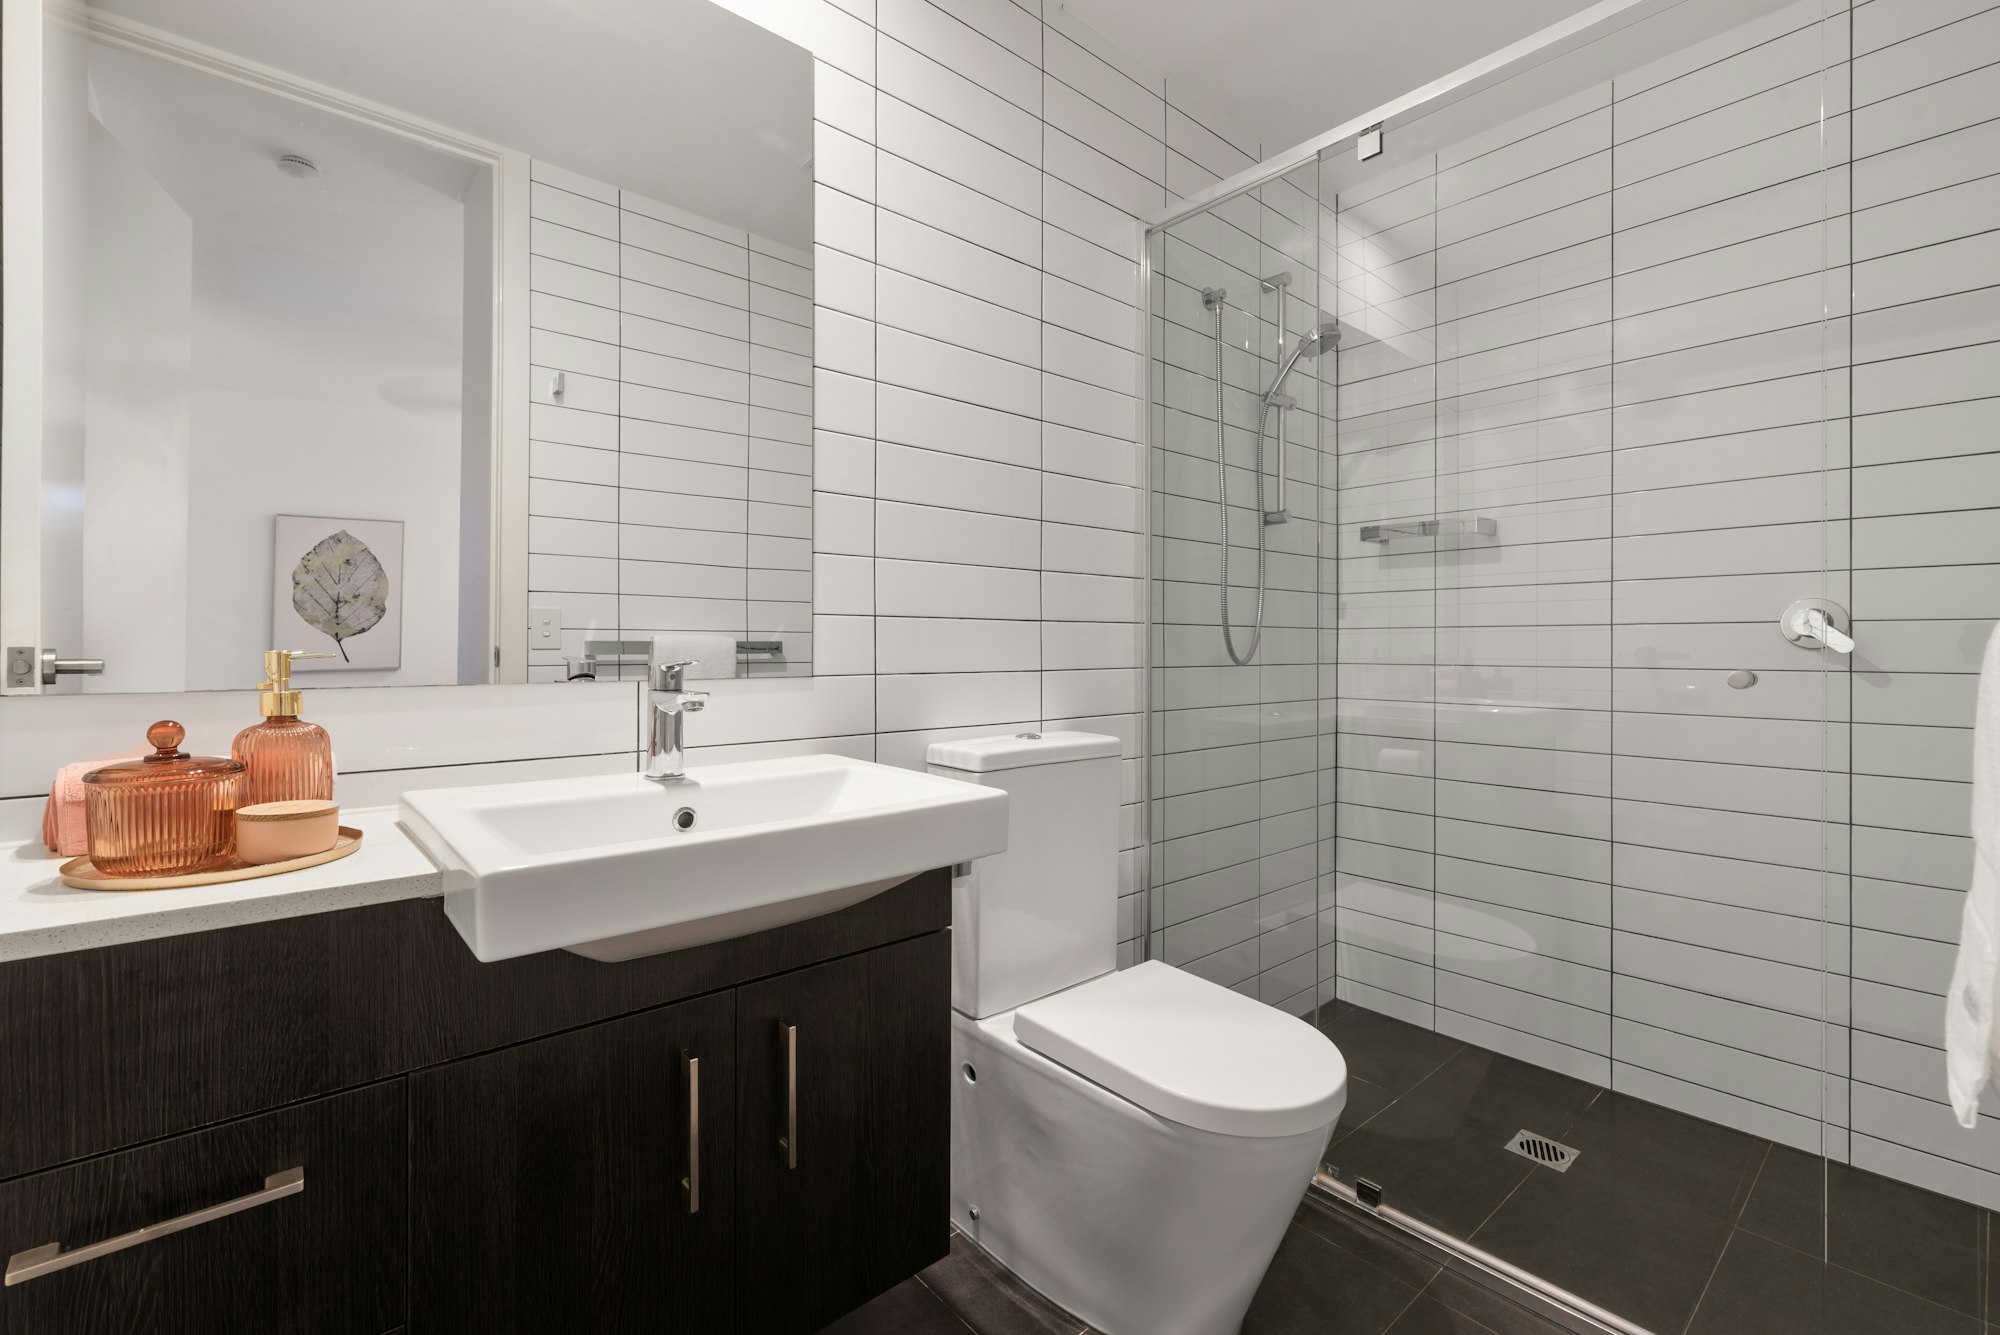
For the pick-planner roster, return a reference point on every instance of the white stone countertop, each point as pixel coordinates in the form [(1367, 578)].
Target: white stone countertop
[(39, 915)]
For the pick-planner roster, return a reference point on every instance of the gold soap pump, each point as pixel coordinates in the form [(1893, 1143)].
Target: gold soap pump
[(284, 757)]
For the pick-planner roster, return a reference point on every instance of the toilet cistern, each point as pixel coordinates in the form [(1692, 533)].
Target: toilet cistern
[(672, 702)]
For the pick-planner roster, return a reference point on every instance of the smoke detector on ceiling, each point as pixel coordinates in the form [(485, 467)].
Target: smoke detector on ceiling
[(297, 167)]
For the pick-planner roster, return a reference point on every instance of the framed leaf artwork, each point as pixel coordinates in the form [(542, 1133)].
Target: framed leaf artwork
[(337, 588)]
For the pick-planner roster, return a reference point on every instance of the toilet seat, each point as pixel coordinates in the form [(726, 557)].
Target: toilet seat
[(1190, 1051)]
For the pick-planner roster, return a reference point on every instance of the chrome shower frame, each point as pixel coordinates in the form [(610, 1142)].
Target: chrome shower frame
[(1580, 29)]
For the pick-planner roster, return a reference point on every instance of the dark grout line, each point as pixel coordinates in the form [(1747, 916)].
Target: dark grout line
[(1596, 1096), (1985, 1265), (1708, 1283), (1343, 1135), (955, 1315), (1405, 1308), (1526, 1178), (1756, 1176), (1823, 1259)]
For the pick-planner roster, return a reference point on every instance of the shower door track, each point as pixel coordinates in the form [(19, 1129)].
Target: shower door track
[(1503, 1277)]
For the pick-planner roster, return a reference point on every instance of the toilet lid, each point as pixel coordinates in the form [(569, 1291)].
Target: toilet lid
[(1191, 1051)]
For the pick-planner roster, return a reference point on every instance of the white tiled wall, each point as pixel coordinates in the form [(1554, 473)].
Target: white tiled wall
[(1622, 328), (671, 466), (1925, 346), (981, 166)]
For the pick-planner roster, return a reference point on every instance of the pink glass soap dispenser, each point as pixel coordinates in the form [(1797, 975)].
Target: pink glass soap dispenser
[(284, 758)]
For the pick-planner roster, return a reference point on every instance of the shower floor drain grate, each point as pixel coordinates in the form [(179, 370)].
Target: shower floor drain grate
[(1543, 1151)]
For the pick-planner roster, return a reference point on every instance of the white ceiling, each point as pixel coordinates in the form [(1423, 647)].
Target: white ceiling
[(1287, 70), (679, 100), (344, 287)]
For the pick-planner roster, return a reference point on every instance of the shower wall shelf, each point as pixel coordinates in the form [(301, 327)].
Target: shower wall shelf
[(1430, 528)]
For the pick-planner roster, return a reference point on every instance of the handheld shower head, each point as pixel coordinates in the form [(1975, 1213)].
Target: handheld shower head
[(1322, 337)]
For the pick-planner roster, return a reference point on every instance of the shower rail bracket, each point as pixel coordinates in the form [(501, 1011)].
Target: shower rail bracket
[(1430, 528)]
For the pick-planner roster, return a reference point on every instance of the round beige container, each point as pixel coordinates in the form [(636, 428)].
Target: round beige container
[(280, 831)]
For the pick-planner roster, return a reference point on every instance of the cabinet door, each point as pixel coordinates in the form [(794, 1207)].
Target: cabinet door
[(844, 1138), (291, 1221), (551, 1185)]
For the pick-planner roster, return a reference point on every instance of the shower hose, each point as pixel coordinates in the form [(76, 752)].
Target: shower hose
[(1222, 485)]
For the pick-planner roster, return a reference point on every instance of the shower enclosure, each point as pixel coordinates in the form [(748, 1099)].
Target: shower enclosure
[(1644, 365)]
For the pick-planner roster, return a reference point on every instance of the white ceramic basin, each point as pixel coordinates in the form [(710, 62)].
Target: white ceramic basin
[(603, 866)]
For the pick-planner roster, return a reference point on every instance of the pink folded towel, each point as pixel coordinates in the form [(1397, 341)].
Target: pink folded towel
[(64, 829)]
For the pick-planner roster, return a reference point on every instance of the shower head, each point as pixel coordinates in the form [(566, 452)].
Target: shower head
[(1322, 337)]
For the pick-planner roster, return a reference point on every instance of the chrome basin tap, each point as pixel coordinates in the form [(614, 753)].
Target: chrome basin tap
[(666, 756)]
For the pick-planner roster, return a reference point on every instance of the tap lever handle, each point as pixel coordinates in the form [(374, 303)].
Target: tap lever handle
[(672, 676), (1812, 623), (1830, 635)]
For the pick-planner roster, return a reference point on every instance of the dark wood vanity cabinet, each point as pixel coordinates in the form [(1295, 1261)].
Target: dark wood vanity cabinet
[(751, 1136), (327, 1257), (844, 1133), (550, 1183), (580, 1182)]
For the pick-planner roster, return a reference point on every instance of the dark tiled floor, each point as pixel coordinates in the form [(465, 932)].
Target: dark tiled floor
[(1677, 1223), (1331, 1276), (964, 1292), (1684, 1226)]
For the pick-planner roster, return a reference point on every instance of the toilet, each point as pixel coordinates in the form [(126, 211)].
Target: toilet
[(1132, 1143)]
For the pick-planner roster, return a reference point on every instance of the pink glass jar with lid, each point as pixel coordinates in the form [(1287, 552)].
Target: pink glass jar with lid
[(166, 814)]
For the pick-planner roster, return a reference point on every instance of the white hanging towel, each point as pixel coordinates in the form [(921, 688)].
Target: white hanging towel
[(1969, 1036)]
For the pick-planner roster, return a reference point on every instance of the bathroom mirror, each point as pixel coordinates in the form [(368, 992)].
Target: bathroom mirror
[(461, 342)]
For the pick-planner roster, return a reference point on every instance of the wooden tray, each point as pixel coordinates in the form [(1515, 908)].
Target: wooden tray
[(79, 873)]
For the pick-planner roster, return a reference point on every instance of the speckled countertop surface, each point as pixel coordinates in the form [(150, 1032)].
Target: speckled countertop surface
[(39, 915)]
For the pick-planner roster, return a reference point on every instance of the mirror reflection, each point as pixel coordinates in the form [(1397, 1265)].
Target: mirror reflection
[(463, 343)]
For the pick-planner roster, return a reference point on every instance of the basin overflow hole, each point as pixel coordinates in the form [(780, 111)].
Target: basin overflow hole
[(971, 1076), (684, 819)]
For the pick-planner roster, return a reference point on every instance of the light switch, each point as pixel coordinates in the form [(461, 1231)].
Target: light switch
[(545, 628)]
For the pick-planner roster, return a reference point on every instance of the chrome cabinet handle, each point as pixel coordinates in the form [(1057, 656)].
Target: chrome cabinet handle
[(47, 1259), (691, 1184), (788, 1144)]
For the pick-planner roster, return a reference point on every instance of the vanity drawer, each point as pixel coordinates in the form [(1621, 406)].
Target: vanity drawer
[(293, 1221)]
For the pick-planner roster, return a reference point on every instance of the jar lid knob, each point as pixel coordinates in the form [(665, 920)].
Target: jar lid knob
[(166, 738)]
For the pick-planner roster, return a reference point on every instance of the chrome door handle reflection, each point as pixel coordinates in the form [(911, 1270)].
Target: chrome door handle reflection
[(49, 1258)]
